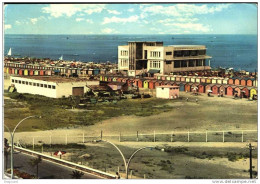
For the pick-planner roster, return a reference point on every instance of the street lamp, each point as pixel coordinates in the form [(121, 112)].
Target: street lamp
[(123, 157), (12, 141)]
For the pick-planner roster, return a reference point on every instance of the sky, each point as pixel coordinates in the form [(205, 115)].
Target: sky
[(174, 18)]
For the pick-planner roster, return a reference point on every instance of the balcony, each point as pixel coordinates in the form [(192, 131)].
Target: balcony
[(192, 57)]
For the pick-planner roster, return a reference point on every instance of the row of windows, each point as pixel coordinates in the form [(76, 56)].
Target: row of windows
[(183, 53), (155, 54), (28, 66), (189, 63), (170, 88), (124, 53), (124, 62), (155, 64), (34, 84)]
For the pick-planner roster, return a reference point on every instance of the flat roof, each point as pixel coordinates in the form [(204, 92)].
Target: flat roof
[(186, 45), (55, 78)]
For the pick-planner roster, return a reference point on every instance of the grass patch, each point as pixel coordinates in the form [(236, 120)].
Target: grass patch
[(56, 113)]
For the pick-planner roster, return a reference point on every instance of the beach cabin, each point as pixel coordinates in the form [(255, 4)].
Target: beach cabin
[(36, 72), (16, 71), (146, 84), (101, 78), (230, 91), (21, 72), (253, 92), (96, 71), (10, 70), (214, 89), (163, 78), (109, 79), (90, 71), (41, 72), (181, 86), (187, 87), (13, 71), (245, 91), (214, 81), (188, 79), (255, 83), (168, 78), (225, 81), (114, 79), (7, 70), (178, 78), (158, 83), (48, 72), (208, 88), (152, 84), (159, 77), (183, 78), (167, 92), (124, 79), (222, 90), (230, 81), (173, 78), (238, 91), (193, 79), (237, 81), (198, 80), (201, 88), (220, 81), (243, 82), (208, 80), (26, 72), (203, 79), (249, 82)]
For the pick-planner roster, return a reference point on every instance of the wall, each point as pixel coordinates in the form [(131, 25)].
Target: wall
[(162, 92), (123, 48), (23, 88)]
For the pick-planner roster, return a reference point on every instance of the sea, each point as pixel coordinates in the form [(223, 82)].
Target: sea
[(228, 51)]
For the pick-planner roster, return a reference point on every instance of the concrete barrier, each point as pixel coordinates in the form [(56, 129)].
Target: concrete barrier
[(67, 163)]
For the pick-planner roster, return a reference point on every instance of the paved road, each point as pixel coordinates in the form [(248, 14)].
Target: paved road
[(47, 169)]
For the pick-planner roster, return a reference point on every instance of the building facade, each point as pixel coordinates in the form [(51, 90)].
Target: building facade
[(167, 92), (54, 87), (152, 57)]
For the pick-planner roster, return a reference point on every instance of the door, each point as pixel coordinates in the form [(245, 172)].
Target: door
[(78, 91)]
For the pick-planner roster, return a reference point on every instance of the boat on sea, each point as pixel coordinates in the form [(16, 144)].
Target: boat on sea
[(9, 52), (61, 58)]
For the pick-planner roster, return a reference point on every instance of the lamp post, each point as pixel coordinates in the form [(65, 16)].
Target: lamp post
[(123, 157), (12, 141)]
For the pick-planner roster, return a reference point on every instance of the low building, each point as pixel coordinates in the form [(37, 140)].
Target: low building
[(54, 87), (167, 92)]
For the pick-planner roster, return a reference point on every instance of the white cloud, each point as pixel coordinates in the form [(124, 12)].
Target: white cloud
[(34, 20), (8, 26), (131, 10), (173, 20), (191, 26), (181, 9), (108, 31), (58, 10), (89, 21), (79, 19), (114, 19), (114, 12)]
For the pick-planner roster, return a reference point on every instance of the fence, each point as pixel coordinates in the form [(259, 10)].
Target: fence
[(203, 136)]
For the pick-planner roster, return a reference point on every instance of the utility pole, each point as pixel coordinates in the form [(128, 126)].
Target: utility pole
[(250, 147)]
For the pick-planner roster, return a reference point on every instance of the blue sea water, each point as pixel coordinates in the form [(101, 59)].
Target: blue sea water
[(236, 51)]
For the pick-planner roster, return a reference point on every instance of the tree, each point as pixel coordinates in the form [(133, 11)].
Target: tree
[(35, 162), (76, 174)]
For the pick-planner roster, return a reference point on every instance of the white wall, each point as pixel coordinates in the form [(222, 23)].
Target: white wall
[(61, 88), (120, 57), (36, 90), (162, 92)]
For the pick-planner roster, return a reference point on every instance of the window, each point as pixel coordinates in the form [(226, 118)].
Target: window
[(41, 85), (30, 83), (23, 82), (124, 62), (53, 87), (178, 53), (124, 53), (20, 82), (45, 85), (155, 54), (34, 84), (38, 84), (26, 83), (168, 53), (49, 86), (155, 64), (177, 64), (16, 81), (12, 80), (168, 62), (162, 88)]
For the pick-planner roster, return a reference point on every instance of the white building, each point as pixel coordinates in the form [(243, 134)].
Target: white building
[(54, 87), (152, 57), (167, 92)]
